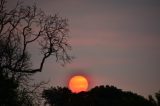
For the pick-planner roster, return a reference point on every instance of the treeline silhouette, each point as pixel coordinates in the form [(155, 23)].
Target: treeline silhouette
[(98, 96)]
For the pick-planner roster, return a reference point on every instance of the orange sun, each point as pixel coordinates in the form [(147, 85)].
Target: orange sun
[(78, 84)]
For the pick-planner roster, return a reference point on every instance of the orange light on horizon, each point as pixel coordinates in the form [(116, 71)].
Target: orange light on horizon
[(78, 84)]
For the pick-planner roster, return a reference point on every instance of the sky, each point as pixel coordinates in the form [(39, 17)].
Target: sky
[(114, 42)]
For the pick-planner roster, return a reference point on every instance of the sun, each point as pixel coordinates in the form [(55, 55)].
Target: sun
[(78, 84)]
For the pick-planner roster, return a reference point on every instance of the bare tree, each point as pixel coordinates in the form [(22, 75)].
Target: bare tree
[(23, 26), (20, 29)]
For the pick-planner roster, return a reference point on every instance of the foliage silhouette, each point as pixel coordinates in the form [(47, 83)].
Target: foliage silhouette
[(57, 96), (98, 96), (8, 91)]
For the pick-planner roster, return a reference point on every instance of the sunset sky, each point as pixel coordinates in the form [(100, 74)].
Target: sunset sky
[(114, 42)]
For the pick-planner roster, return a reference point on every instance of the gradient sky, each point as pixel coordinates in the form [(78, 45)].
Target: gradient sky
[(115, 42)]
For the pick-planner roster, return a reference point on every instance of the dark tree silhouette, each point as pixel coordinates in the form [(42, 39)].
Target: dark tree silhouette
[(24, 26), (98, 96), (9, 96), (21, 28), (111, 96), (56, 96)]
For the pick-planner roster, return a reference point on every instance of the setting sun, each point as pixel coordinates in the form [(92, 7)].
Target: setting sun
[(78, 84)]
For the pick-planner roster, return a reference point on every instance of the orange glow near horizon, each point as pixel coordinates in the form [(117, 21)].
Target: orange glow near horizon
[(78, 84)]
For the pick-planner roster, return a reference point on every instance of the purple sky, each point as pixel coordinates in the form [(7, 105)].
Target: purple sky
[(115, 42)]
